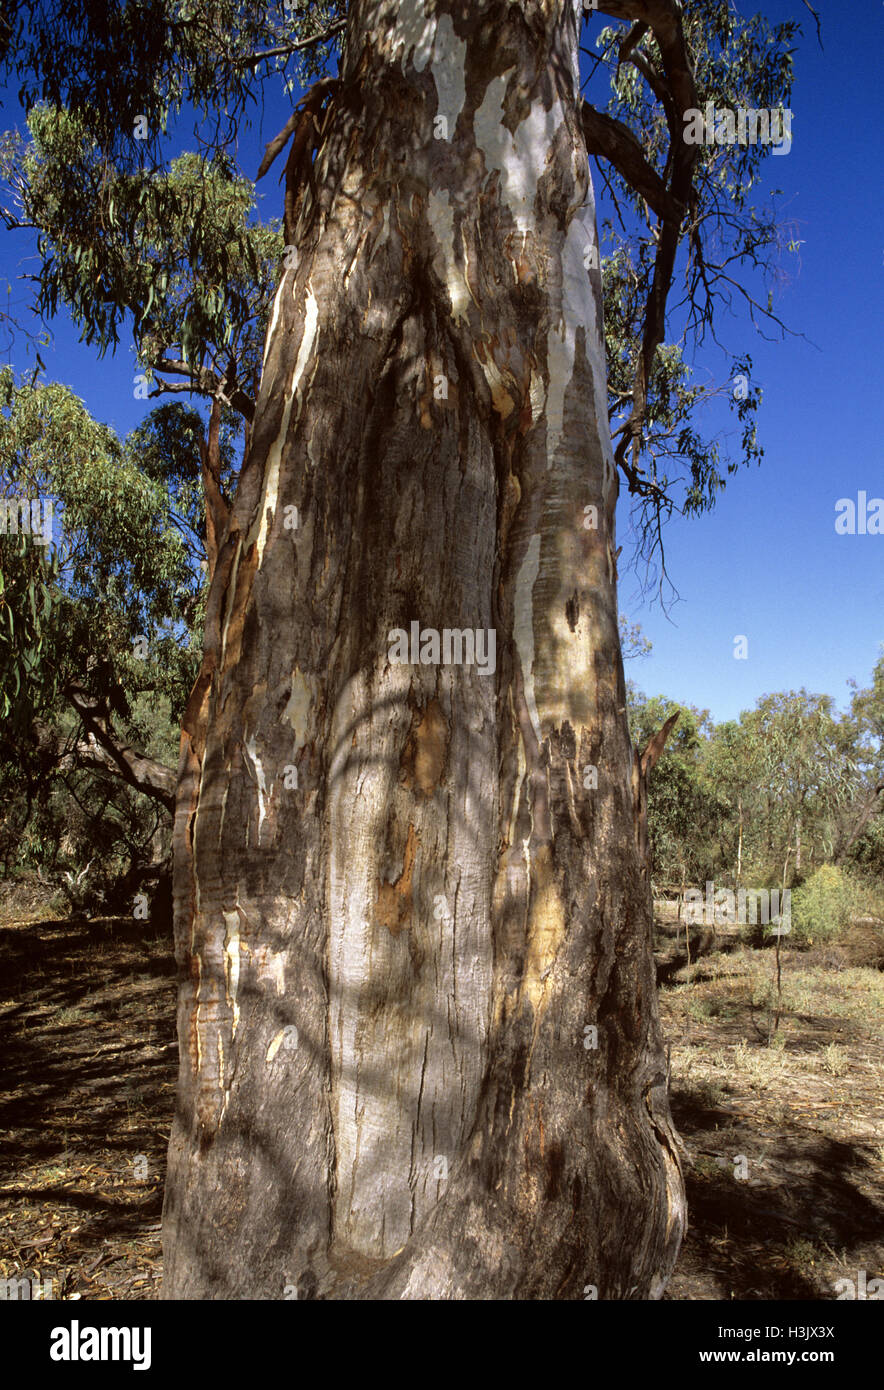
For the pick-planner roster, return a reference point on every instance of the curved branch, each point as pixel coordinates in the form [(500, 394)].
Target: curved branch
[(615, 142), (678, 91), (294, 47), (207, 383), (102, 748)]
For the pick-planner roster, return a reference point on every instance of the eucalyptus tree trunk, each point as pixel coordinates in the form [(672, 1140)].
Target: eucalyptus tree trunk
[(740, 841), (420, 1049)]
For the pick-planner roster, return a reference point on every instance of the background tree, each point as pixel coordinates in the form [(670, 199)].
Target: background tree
[(684, 808), (101, 638), (733, 769), (806, 776), (860, 833)]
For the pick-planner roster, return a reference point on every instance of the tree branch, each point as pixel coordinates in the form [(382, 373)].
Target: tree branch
[(309, 101), (273, 147), (207, 383), (871, 806), (664, 18), (294, 47), (102, 748), (615, 142)]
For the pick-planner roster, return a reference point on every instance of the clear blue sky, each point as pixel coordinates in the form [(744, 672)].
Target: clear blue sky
[(766, 563)]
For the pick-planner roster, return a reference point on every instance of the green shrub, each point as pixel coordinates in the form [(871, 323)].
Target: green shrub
[(824, 905)]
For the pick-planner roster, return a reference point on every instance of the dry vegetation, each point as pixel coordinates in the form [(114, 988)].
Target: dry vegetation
[(801, 1102), (87, 1089)]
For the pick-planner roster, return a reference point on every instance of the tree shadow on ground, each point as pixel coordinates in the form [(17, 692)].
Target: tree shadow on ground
[(799, 1212), (86, 1097)]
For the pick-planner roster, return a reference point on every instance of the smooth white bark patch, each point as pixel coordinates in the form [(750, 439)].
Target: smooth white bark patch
[(273, 317), (270, 493), (413, 33), (579, 308), (448, 70), (231, 965), (251, 748), (441, 217), (523, 625), (351, 909), (297, 711), (519, 159), (560, 345), (405, 1071)]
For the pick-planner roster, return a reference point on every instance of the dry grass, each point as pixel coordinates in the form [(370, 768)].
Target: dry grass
[(782, 1130), (799, 1098)]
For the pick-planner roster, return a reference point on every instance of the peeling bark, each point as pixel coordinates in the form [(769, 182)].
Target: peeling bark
[(401, 911)]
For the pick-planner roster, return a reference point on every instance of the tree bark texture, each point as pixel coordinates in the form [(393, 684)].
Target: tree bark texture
[(420, 1049)]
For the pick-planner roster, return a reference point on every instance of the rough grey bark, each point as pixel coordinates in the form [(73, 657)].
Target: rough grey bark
[(420, 1052)]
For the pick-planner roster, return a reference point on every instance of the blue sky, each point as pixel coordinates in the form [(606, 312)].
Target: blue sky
[(767, 563)]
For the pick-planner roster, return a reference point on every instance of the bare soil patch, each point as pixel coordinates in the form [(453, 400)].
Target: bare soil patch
[(783, 1132), (89, 1059)]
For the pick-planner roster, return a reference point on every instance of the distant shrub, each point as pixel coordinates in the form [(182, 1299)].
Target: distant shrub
[(824, 905)]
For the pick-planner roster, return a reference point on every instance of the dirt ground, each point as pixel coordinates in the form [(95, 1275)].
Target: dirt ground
[(783, 1131), (87, 1085), (782, 1126)]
